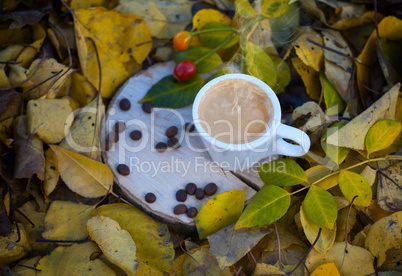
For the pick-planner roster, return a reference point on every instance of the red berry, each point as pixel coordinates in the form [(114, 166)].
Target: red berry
[(181, 40), (184, 70)]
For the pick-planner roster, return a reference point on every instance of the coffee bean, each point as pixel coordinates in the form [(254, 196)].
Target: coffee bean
[(123, 169), (150, 198), (199, 193), (180, 209), (108, 144), (190, 188), (173, 143), (119, 127), (161, 147), (189, 127), (181, 195), (147, 107), (125, 104), (113, 137), (136, 135), (192, 212), (171, 131), (210, 189)]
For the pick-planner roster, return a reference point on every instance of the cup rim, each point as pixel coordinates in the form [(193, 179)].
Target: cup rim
[(237, 147)]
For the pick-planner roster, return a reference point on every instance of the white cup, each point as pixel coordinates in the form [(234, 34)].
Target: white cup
[(237, 157)]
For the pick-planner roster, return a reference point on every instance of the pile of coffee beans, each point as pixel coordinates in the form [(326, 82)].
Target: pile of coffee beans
[(172, 141), (199, 193)]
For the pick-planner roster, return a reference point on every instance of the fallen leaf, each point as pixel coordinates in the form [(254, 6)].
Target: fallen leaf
[(353, 133), (76, 259), (268, 205), (151, 237), (10, 103), (24, 267), (309, 77), (245, 9), (334, 40), (50, 119), (283, 75), (82, 175), (389, 196), (202, 262), (327, 236), (219, 212), (66, 220), (228, 246), (6, 131), (82, 90), (204, 16), (274, 8), (339, 79), (317, 172), (30, 159), (333, 101), (28, 54), (345, 219), (10, 250), (383, 235), (146, 270), (118, 49), (309, 53), (381, 135), (51, 172), (328, 269), (337, 154), (83, 137), (355, 261), (282, 172), (115, 242), (353, 184), (177, 267), (375, 212), (194, 53), (262, 269)]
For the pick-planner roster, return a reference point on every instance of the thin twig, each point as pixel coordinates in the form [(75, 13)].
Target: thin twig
[(62, 241), (252, 257), (371, 90), (42, 82), (279, 246), (184, 251), (70, 58), (99, 63), (330, 49), (10, 62), (305, 266), (22, 214), (30, 267), (239, 271)]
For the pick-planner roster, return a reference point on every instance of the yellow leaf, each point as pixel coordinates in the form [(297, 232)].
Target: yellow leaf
[(244, 9), (262, 269), (353, 133), (82, 175), (117, 37), (353, 184), (146, 270), (343, 220), (6, 131), (219, 212), (29, 150), (317, 172), (381, 135), (204, 16), (84, 4), (39, 85), (74, 260), (310, 78), (83, 137), (357, 260), (328, 269), (115, 242), (29, 53), (309, 53), (274, 8), (151, 237), (24, 267), (383, 235), (202, 262), (50, 119), (155, 19), (82, 90), (177, 267), (67, 220), (327, 236), (11, 251)]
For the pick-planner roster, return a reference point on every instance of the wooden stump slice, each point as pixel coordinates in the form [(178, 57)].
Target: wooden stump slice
[(163, 174)]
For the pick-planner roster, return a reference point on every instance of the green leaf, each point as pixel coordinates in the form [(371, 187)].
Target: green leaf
[(274, 8), (333, 101), (214, 38), (282, 172), (267, 206), (194, 53), (260, 65), (283, 27), (320, 207), (381, 135), (219, 212), (336, 154), (168, 92), (244, 9), (353, 184), (283, 75), (219, 73)]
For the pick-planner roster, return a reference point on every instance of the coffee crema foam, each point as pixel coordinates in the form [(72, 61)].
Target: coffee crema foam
[(235, 111)]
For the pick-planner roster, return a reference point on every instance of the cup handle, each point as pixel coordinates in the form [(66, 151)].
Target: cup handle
[(294, 134)]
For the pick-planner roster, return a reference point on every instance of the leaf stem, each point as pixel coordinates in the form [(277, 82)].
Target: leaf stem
[(215, 49), (214, 30), (252, 22)]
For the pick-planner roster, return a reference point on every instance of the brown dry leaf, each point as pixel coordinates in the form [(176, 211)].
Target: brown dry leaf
[(47, 80), (30, 159), (357, 261), (83, 137), (375, 212), (228, 246), (6, 131), (11, 251), (51, 172), (389, 195), (77, 259), (310, 78), (115, 242), (29, 53), (360, 237), (339, 78), (353, 134), (82, 175), (50, 119), (383, 235), (117, 37), (309, 53), (67, 220)]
